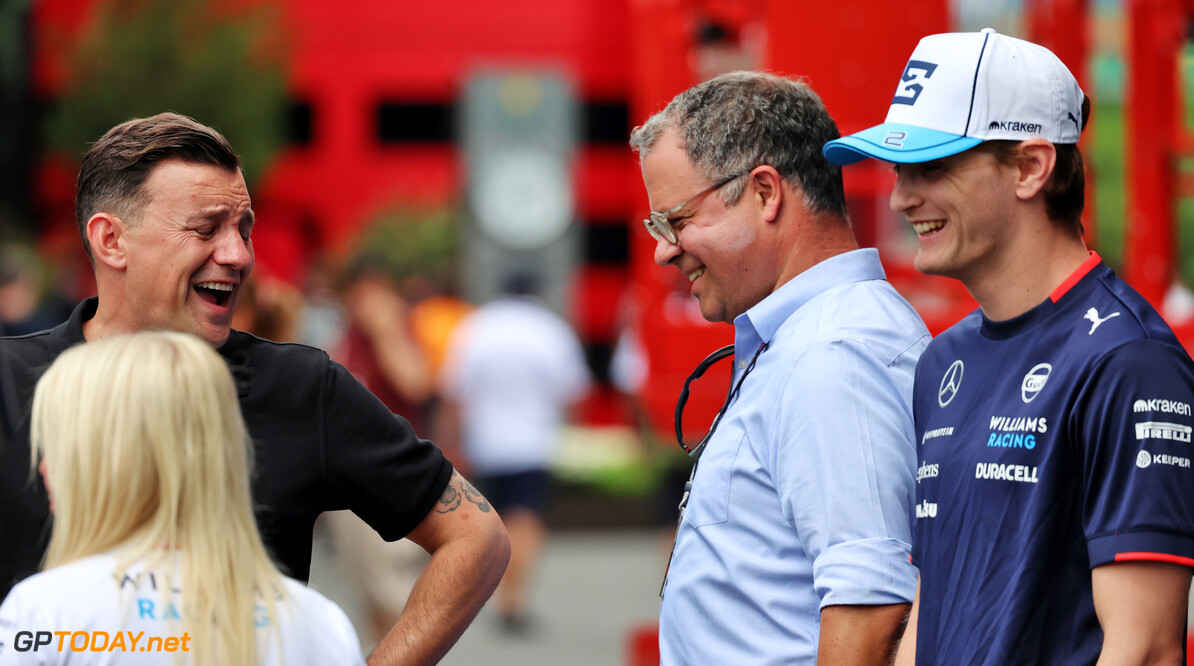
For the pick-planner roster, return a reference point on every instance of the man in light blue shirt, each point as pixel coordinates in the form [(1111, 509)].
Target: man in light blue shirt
[(794, 545)]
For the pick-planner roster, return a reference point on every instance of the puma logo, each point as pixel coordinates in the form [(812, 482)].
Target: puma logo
[(1093, 315)]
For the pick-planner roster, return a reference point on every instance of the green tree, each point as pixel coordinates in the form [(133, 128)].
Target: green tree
[(224, 66), (407, 240)]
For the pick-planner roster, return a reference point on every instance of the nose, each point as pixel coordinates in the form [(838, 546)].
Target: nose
[(234, 251), (665, 252), (903, 195)]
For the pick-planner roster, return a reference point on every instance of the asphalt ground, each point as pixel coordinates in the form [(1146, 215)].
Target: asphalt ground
[(595, 589)]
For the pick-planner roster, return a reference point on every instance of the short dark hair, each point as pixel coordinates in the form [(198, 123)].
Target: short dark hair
[(740, 120), (1065, 191), (114, 171)]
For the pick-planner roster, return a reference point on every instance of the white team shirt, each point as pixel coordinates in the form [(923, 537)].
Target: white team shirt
[(77, 614)]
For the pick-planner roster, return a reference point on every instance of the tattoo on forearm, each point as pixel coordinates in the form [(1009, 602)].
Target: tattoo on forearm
[(453, 497), (450, 500), (471, 494)]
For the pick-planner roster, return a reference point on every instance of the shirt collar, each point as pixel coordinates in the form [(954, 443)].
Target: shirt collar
[(1074, 286), (760, 322)]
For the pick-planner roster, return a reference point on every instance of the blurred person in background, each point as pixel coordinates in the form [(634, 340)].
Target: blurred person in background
[(436, 310), (25, 304), (513, 369), (378, 346), (1054, 520), (323, 319), (145, 455), (629, 367), (165, 218), (269, 308), (793, 545)]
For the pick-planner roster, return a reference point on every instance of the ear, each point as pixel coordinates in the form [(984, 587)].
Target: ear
[(768, 192), (41, 469), (105, 233), (1037, 159)]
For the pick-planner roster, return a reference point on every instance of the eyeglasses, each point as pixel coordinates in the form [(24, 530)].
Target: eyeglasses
[(661, 227), (702, 367)]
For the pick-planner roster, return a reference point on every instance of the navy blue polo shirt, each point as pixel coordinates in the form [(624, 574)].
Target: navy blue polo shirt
[(1048, 444)]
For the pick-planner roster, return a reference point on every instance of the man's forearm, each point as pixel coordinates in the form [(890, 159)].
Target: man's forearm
[(906, 652), (1142, 610), (469, 552), (453, 587), (860, 634)]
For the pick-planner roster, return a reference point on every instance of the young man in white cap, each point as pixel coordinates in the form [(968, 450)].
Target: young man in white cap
[(1055, 496)]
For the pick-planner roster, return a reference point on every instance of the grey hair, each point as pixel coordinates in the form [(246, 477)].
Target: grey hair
[(740, 120)]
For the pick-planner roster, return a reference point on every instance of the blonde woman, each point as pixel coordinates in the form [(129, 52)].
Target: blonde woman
[(154, 557)]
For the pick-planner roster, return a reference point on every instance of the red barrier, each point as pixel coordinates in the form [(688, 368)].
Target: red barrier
[(642, 645)]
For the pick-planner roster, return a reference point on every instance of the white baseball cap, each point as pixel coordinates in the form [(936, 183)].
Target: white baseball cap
[(962, 88)]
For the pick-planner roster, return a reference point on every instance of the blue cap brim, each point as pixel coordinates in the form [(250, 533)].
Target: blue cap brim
[(896, 142)]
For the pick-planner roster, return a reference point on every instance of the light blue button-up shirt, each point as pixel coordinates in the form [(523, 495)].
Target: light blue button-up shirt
[(803, 496)]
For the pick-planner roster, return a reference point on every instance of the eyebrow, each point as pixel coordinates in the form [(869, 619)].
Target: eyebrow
[(221, 212), (675, 210)]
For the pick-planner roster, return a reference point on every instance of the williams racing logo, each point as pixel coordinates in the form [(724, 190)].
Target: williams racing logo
[(1012, 432), (915, 73)]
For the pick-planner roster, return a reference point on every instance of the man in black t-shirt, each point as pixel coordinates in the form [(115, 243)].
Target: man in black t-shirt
[(165, 217)]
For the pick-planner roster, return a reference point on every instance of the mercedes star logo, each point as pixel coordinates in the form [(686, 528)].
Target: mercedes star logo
[(950, 383)]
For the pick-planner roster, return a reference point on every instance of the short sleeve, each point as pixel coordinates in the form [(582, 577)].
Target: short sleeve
[(376, 462), (1133, 429), (845, 471)]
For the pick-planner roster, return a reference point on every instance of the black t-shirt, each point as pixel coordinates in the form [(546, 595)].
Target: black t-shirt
[(322, 442)]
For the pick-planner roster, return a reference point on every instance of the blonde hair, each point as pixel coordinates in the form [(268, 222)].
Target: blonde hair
[(146, 454)]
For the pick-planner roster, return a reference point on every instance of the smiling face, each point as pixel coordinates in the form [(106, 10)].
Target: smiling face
[(188, 252), (962, 209), (717, 243)]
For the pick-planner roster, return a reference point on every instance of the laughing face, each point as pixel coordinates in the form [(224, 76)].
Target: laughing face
[(718, 244), (188, 251), (961, 208)]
